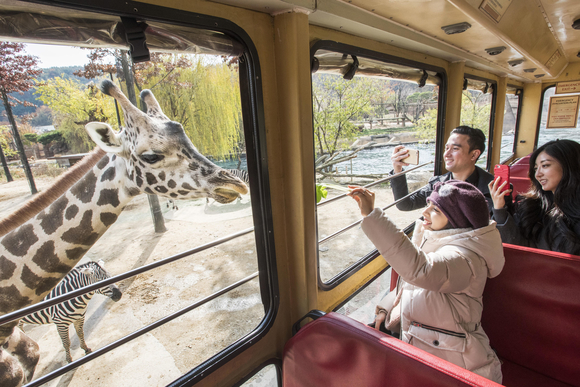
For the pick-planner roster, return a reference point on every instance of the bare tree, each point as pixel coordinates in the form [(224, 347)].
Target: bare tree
[(17, 71)]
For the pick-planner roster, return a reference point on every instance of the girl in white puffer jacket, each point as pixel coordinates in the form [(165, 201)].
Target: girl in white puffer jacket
[(443, 272)]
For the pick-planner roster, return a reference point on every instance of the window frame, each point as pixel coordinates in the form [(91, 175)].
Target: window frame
[(491, 115), (520, 94), (375, 55), (256, 154)]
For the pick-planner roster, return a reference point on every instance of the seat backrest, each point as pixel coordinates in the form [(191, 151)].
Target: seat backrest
[(531, 312), (337, 351), (520, 167), (520, 185)]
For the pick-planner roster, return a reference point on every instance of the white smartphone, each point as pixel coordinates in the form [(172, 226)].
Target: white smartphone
[(413, 157)]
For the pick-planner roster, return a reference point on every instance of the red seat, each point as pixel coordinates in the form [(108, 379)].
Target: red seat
[(520, 185), (336, 351), (531, 314), (520, 167)]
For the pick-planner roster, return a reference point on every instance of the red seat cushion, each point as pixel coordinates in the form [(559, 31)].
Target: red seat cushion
[(520, 185), (531, 313), (335, 350), (521, 167)]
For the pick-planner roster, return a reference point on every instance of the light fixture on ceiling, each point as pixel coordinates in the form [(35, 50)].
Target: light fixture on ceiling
[(495, 50), (530, 70), (578, 55), (456, 28), (576, 24), (515, 62), (539, 75)]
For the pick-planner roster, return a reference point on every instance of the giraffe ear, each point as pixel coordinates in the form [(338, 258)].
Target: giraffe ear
[(105, 137)]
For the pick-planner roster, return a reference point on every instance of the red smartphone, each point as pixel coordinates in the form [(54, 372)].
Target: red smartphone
[(503, 171)]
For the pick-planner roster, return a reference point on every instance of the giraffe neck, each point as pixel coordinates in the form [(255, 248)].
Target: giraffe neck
[(37, 255)]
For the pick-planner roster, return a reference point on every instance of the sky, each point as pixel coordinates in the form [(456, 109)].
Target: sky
[(51, 55)]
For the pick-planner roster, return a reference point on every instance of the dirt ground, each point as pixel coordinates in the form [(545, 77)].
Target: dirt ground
[(162, 355)]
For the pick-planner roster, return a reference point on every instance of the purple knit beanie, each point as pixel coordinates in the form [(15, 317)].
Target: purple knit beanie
[(462, 203)]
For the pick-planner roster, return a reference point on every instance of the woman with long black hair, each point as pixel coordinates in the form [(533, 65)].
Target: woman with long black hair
[(548, 215)]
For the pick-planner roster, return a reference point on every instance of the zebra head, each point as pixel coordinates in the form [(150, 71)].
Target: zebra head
[(95, 272)]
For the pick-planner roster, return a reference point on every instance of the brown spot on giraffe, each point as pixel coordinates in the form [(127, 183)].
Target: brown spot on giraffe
[(85, 191), (52, 219), (40, 284), (48, 261), (108, 218), (7, 268), (75, 253), (83, 234), (109, 174), (103, 162), (20, 240), (109, 196), (11, 297), (71, 212)]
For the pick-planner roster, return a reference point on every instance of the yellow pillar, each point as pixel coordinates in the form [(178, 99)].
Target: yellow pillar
[(498, 121), (531, 104), (455, 77), (292, 48)]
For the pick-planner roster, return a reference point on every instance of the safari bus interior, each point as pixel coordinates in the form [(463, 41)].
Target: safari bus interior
[(277, 287)]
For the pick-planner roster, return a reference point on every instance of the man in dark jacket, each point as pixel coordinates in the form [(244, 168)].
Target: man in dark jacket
[(463, 148)]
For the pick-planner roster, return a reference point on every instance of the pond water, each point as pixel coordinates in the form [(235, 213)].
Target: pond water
[(378, 160)]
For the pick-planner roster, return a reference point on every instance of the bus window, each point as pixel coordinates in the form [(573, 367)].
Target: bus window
[(362, 305), (268, 376), (476, 109), (359, 116), (510, 122), (202, 286), (548, 134)]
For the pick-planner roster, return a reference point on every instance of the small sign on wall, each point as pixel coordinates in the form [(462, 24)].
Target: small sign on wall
[(568, 87), (563, 112), (495, 8)]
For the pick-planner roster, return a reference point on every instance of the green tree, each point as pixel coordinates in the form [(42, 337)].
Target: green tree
[(426, 128), (336, 103), (73, 106), (203, 97), (476, 110), (17, 72)]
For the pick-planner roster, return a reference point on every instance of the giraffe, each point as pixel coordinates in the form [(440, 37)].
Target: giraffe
[(151, 154)]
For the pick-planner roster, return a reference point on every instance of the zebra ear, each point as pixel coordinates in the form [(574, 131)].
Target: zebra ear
[(101, 263)]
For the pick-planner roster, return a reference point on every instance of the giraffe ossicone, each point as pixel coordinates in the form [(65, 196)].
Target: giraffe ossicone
[(151, 155)]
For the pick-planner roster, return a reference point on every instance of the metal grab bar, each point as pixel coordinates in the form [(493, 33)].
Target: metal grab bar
[(67, 296), (376, 182), (359, 221), (107, 348)]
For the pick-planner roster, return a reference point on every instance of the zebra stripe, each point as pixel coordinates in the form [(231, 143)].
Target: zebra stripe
[(73, 311), (240, 174)]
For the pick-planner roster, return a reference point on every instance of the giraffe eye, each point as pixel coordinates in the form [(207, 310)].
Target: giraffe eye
[(151, 158)]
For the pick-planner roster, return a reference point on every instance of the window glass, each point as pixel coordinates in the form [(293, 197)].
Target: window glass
[(266, 377), (476, 112), (546, 134), (357, 124), (201, 92), (510, 121), (362, 306)]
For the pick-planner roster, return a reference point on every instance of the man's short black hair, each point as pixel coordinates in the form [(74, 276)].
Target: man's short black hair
[(476, 137)]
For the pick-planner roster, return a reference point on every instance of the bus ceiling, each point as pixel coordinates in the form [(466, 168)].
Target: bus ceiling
[(526, 40), (43, 24)]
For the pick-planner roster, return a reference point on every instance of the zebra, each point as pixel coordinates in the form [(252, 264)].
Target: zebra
[(73, 310)]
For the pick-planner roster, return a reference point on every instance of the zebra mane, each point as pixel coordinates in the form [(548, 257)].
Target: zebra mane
[(46, 197)]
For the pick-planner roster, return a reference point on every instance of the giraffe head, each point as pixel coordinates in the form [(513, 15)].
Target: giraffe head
[(160, 158)]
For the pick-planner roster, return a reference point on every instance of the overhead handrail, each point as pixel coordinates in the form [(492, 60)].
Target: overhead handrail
[(109, 347), (376, 182), (359, 221), (131, 273)]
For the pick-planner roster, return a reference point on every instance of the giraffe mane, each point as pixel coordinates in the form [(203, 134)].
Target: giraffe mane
[(49, 195)]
